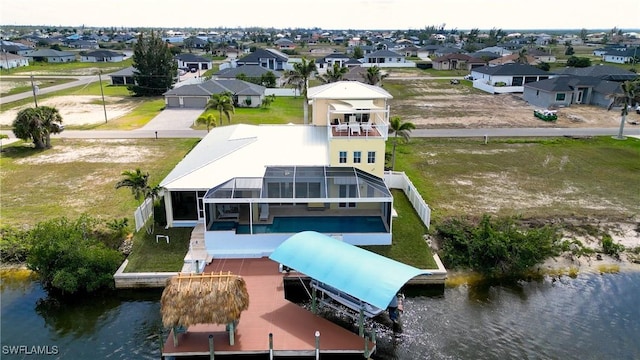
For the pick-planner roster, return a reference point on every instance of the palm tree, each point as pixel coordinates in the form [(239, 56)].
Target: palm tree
[(137, 181), (207, 119), (629, 96), (299, 77), (401, 128), (373, 76), (334, 74), (37, 124), (223, 103)]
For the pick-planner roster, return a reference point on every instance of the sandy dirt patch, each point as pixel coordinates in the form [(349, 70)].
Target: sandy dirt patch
[(95, 151), (438, 105), (78, 110)]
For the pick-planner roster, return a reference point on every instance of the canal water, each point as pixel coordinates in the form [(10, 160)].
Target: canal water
[(589, 317)]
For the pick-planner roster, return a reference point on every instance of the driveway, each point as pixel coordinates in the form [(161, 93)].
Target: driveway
[(173, 119)]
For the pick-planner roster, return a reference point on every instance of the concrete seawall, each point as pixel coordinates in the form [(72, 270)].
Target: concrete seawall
[(140, 280)]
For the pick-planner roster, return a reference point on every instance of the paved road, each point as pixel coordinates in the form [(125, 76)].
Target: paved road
[(81, 80)]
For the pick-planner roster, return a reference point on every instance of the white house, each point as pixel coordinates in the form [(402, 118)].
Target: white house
[(506, 78), (10, 61), (102, 56), (249, 188)]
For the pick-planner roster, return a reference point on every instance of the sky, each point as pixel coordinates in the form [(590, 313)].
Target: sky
[(327, 14)]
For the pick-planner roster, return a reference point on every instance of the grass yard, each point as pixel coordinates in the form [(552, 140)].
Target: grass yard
[(283, 110), (408, 245), (146, 110), (79, 176), (73, 68), (533, 178), (149, 255)]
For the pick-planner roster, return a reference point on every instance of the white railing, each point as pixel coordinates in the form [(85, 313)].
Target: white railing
[(143, 213), (399, 180)]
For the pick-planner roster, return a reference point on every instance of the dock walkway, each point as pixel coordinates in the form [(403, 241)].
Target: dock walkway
[(292, 326)]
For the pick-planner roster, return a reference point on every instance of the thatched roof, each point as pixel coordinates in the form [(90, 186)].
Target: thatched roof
[(214, 298)]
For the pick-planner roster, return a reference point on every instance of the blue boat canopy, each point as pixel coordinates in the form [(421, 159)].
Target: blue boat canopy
[(370, 277)]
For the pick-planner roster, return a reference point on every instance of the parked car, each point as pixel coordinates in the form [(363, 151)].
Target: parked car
[(469, 77), (194, 70), (57, 127), (638, 109)]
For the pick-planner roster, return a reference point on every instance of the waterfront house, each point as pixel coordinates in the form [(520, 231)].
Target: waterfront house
[(251, 187)]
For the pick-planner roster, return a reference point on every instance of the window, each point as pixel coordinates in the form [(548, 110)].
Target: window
[(357, 155), (371, 157), (343, 157), (560, 96)]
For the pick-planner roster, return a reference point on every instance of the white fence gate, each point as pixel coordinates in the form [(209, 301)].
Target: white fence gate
[(143, 213), (399, 180)]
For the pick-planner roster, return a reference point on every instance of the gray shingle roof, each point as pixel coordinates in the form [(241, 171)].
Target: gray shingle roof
[(383, 53), (103, 53), (606, 72), (511, 69), (192, 58), (50, 53), (217, 86), (255, 57), (570, 83), (251, 71)]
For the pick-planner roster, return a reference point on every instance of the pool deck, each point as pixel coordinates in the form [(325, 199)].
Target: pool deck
[(292, 326)]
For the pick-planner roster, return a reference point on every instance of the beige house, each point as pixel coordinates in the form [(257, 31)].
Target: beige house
[(10, 61)]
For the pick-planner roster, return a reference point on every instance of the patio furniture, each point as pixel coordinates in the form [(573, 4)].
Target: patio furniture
[(367, 127), (342, 127), (354, 128)]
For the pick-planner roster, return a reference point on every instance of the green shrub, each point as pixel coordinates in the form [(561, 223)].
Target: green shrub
[(67, 256), (611, 248), (14, 245), (496, 248)]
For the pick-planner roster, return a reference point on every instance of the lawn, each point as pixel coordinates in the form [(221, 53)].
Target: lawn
[(147, 109), (532, 178), (74, 68), (148, 255), (79, 176), (283, 110)]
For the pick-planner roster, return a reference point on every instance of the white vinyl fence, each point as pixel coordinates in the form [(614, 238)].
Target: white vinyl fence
[(282, 92), (399, 180), (143, 213)]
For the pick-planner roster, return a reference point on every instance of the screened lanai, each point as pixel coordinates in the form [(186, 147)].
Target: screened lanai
[(286, 191)]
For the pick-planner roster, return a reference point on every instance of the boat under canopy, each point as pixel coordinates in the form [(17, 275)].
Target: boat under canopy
[(366, 276)]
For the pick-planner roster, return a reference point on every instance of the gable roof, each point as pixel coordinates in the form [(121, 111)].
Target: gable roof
[(456, 56), (510, 69), (218, 86), (216, 157), (383, 53), (103, 53), (606, 72), (251, 71), (128, 71), (259, 54), (192, 58), (564, 83), (50, 53), (347, 90)]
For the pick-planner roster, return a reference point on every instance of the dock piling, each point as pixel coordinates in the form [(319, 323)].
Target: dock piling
[(211, 350), (270, 346)]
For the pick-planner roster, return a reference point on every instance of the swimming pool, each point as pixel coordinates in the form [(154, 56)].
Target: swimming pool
[(323, 224)]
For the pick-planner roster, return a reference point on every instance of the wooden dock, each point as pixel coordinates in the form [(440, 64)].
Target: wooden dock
[(293, 328)]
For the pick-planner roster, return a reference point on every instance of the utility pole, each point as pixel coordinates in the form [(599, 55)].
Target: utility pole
[(104, 107), (35, 92)]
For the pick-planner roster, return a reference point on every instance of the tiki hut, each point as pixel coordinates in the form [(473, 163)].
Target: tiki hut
[(212, 298)]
